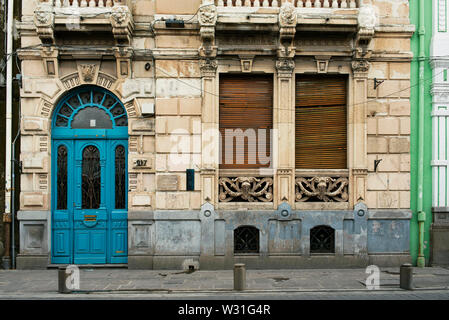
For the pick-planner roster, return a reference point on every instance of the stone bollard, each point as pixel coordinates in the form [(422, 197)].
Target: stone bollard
[(63, 280), (239, 277), (406, 277)]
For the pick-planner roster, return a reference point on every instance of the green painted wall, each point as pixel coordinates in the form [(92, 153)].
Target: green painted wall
[(414, 147)]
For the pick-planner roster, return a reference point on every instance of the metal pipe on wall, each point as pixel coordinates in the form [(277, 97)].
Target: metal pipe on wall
[(421, 105), (8, 144)]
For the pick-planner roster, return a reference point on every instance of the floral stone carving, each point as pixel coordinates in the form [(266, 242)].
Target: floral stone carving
[(250, 189), (322, 189)]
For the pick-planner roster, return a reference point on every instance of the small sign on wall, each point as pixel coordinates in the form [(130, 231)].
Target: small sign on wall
[(142, 163)]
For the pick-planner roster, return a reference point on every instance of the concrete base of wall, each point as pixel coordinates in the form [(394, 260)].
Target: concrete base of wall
[(389, 260), (251, 262), (259, 262), (140, 262), (28, 262)]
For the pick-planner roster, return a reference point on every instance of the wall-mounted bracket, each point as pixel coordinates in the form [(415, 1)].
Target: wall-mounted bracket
[(377, 83)]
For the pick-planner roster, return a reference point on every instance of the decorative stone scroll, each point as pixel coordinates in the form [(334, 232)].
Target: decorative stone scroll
[(207, 18), (122, 24), (367, 21), (245, 189), (322, 189)]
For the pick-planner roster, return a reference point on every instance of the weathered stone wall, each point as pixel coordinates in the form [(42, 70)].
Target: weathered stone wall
[(388, 111), (174, 72)]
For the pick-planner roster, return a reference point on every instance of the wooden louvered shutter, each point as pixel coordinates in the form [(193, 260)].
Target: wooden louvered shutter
[(246, 102), (321, 129)]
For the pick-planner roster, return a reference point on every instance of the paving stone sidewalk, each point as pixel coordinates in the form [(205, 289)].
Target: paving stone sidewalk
[(38, 282)]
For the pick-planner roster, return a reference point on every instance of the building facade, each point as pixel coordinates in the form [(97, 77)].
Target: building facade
[(197, 134), (440, 135)]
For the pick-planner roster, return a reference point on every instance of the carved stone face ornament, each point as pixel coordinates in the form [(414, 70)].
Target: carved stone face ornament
[(88, 72), (119, 14), (43, 14), (207, 14), (288, 14)]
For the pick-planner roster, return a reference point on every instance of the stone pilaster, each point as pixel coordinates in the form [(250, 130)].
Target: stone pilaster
[(210, 144), (357, 127), (284, 126)]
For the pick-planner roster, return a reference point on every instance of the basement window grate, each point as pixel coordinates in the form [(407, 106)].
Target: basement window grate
[(246, 240), (322, 240)]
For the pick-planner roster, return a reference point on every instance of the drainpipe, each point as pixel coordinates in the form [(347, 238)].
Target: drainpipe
[(9, 59), (421, 106)]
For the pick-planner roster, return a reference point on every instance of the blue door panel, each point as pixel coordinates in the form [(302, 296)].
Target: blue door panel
[(81, 242), (61, 242), (119, 240), (98, 241)]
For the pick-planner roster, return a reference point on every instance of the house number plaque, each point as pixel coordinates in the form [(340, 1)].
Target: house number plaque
[(141, 163)]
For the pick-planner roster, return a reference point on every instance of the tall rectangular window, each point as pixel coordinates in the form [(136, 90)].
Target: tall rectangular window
[(321, 125), (246, 120)]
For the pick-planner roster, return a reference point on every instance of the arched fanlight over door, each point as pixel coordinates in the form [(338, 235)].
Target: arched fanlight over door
[(91, 108)]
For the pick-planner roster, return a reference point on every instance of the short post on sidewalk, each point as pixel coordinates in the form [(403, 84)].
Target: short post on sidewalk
[(64, 281), (239, 277), (406, 276)]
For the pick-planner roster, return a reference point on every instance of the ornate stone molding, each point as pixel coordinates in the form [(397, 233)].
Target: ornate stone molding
[(122, 24), (88, 72), (322, 189), (208, 67), (246, 62), (367, 21), (287, 30), (322, 63), (207, 15), (245, 189), (207, 18), (367, 18), (287, 15), (44, 20), (360, 66), (360, 171), (285, 67)]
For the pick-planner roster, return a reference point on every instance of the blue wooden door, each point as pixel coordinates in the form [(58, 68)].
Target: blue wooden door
[(93, 229), (89, 179)]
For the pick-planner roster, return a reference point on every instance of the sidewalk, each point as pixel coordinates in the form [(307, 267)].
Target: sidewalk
[(44, 283)]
